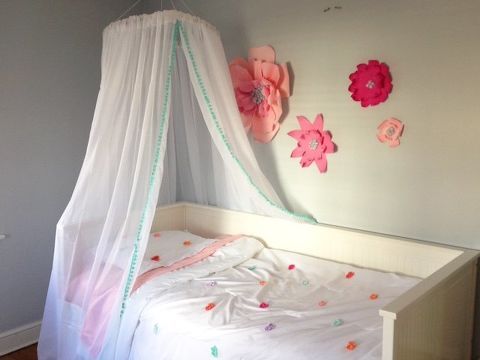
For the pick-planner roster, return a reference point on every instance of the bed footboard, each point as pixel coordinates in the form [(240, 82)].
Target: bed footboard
[(434, 319)]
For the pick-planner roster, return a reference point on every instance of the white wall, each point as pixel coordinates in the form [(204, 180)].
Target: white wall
[(428, 188), (49, 79)]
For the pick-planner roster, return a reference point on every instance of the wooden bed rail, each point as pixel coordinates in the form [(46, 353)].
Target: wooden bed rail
[(433, 320)]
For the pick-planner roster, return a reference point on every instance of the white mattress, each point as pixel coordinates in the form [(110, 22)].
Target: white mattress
[(314, 309)]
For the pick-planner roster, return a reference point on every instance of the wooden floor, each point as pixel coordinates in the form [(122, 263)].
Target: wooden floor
[(28, 353)]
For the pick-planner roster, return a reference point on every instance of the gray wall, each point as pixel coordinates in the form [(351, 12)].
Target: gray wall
[(49, 79), (428, 187)]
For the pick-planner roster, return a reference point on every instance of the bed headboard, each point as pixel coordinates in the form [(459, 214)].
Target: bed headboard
[(361, 248)]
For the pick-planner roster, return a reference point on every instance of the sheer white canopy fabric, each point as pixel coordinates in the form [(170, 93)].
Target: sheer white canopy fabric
[(166, 128)]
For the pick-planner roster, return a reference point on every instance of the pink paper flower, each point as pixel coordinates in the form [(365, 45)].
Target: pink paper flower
[(371, 83), (389, 131), (313, 143), (259, 86)]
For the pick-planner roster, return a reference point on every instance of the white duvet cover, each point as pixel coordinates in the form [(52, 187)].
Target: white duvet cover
[(248, 302)]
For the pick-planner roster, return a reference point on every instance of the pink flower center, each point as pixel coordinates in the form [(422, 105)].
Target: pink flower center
[(257, 95), (370, 84)]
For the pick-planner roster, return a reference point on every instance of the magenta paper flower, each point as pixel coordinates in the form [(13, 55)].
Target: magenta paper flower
[(371, 83), (389, 131), (313, 143), (259, 86)]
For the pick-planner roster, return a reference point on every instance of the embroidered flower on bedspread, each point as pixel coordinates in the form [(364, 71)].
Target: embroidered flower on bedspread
[(209, 307), (337, 322), (373, 296), (187, 243), (323, 303), (155, 258), (270, 327), (313, 143), (262, 283), (351, 345), (214, 351), (349, 274), (263, 305), (291, 267), (156, 235), (259, 86)]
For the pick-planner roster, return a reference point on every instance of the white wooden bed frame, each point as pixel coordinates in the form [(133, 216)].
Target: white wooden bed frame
[(433, 320)]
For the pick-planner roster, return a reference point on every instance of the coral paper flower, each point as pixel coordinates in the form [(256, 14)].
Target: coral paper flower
[(371, 83), (259, 86), (389, 131), (313, 143)]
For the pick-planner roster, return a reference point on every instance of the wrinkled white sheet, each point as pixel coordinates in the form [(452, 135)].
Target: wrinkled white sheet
[(314, 309)]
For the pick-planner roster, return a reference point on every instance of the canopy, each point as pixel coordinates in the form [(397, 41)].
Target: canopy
[(166, 128)]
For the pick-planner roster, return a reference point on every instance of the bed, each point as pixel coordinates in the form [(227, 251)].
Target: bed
[(427, 315)]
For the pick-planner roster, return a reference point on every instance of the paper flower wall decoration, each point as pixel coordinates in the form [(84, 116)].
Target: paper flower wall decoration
[(371, 83), (389, 131), (313, 143), (259, 86)]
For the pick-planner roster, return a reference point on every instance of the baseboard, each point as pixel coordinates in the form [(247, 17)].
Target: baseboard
[(19, 338)]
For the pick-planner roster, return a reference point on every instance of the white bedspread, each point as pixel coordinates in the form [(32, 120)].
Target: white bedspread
[(247, 302)]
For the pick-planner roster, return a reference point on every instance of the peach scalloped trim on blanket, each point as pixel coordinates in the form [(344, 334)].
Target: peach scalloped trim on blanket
[(206, 252)]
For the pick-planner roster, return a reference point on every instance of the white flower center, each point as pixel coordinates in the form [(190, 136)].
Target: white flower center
[(313, 144), (370, 84), (257, 95), (390, 131)]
